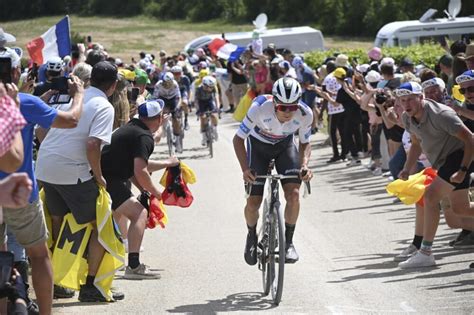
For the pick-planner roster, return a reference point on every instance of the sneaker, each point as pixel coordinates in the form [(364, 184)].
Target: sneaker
[(32, 308), (418, 260), (465, 243), (377, 171), (250, 253), (291, 255), (458, 238), (407, 253), (140, 273), (333, 160), (62, 292), (353, 162), (92, 294)]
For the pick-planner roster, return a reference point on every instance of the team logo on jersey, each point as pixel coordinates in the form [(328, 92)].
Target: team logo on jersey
[(267, 120), (296, 122)]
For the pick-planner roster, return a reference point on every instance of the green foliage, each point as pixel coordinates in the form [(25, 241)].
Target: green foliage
[(334, 17), (427, 54)]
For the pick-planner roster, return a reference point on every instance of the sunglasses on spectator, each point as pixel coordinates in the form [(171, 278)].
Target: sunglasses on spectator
[(286, 107), (469, 89)]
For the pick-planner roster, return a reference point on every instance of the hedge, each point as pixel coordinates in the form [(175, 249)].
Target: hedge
[(427, 54)]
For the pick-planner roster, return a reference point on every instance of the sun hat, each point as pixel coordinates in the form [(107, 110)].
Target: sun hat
[(373, 76), (342, 60)]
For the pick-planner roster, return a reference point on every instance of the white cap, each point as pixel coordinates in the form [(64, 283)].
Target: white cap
[(373, 76), (10, 53)]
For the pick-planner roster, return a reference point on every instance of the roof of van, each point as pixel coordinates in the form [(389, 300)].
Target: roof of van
[(243, 35), (390, 28)]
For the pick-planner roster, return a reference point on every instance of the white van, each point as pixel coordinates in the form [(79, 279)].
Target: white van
[(405, 33), (297, 39)]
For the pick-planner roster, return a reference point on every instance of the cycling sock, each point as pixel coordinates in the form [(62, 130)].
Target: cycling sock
[(417, 241), (465, 233), (90, 281), (426, 247), (185, 118), (289, 231), (133, 260)]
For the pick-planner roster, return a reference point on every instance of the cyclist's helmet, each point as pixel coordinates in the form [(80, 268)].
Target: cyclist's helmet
[(176, 69), (209, 81), (286, 91), (168, 77), (54, 64)]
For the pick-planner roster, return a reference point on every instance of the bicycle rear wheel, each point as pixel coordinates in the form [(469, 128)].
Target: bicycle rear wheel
[(277, 264)]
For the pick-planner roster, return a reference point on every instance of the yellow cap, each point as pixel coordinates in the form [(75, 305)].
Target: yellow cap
[(340, 73)]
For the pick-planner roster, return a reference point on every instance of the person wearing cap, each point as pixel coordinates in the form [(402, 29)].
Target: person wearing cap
[(440, 134), (286, 70), (238, 81), (469, 56), (406, 65), (127, 160), (305, 76), (68, 166)]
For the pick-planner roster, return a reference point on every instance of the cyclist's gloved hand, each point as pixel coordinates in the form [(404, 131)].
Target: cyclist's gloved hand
[(306, 174), (249, 175)]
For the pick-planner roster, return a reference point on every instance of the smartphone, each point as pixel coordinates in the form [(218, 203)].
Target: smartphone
[(33, 73), (5, 70), (6, 267), (60, 84), (89, 39)]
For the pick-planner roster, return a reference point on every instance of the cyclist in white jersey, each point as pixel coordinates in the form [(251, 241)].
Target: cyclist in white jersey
[(269, 128), (167, 89)]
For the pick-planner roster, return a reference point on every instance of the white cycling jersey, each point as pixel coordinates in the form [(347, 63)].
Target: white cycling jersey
[(161, 92), (262, 123)]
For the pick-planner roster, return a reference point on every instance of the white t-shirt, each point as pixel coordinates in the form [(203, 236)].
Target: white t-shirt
[(257, 46), (62, 158), (406, 141), (262, 123)]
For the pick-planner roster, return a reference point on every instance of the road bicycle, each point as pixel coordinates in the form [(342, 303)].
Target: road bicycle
[(208, 130), (174, 141), (271, 249)]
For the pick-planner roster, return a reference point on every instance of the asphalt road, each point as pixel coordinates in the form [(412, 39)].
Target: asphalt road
[(347, 234)]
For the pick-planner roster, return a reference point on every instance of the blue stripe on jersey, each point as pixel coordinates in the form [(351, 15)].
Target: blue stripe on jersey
[(244, 128), (261, 99)]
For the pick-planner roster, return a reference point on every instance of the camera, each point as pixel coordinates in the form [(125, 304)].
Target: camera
[(380, 98), (60, 84)]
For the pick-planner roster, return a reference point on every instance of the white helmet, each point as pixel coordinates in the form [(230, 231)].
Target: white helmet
[(286, 90), (209, 81), (176, 69), (54, 64), (168, 76)]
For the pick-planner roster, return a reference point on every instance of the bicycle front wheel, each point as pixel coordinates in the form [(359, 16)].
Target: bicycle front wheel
[(210, 140), (277, 264)]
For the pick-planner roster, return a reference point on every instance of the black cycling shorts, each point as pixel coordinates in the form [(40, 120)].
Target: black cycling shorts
[(170, 104), (207, 105), (285, 153), (451, 166)]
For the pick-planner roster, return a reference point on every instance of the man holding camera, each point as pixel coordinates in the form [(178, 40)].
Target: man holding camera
[(27, 223), (71, 176), (436, 130)]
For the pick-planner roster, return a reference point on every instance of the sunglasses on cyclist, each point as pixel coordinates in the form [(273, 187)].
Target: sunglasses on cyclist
[(469, 89), (286, 107)]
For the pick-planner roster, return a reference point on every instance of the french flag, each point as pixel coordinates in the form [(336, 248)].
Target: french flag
[(223, 49), (56, 42)]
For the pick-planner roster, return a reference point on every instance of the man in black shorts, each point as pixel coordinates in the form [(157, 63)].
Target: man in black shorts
[(126, 160), (440, 134)]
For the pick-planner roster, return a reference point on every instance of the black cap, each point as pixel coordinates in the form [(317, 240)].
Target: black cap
[(104, 72), (406, 62)]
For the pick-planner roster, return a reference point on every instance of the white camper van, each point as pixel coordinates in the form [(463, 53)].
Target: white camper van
[(405, 33), (297, 39), (427, 29)]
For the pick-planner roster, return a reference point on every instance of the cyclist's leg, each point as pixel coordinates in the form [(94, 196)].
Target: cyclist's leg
[(288, 163), (185, 108)]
